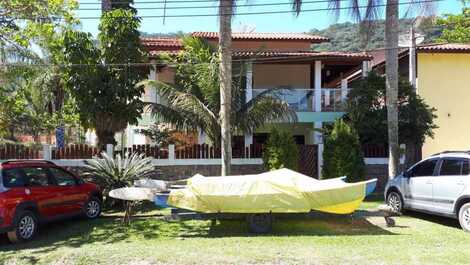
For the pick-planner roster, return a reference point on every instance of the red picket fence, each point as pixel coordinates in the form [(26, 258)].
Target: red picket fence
[(75, 151), (14, 151), (197, 151), (204, 151), (147, 150), (373, 150)]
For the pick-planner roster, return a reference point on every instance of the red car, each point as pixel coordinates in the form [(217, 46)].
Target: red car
[(32, 192)]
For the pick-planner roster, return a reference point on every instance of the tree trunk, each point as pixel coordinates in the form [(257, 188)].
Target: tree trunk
[(105, 137), (391, 71), (413, 154), (225, 77)]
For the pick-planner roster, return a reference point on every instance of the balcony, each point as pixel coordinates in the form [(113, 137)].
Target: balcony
[(303, 99)]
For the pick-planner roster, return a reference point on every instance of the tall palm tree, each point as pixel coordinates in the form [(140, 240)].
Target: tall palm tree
[(194, 101), (225, 77), (391, 65)]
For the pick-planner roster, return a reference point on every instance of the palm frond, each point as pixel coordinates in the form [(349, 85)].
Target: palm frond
[(182, 109), (181, 120), (264, 109)]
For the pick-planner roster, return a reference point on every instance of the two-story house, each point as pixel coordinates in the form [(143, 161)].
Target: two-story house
[(315, 82)]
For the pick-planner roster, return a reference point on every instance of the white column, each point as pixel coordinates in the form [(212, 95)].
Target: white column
[(365, 68), (318, 140), (110, 150), (248, 139), (130, 135), (249, 81), (249, 96), (317, 86), (344, 89), (171, 152), (46, 152), (201, 136), (412, 57)]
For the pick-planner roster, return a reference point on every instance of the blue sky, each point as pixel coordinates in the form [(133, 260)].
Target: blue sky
[(260, 23)]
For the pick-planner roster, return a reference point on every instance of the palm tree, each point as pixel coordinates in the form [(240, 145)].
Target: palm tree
[(225, 77), (194, 101), (391, 65)]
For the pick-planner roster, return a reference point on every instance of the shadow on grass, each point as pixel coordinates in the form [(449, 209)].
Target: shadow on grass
[(297, 225), (75, 233), (446, 221)]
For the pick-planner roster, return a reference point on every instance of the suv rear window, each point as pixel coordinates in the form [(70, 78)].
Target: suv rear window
[(454, 167), (13, 178)]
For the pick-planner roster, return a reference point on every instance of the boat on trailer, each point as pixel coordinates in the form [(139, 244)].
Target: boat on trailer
[(257, 197)]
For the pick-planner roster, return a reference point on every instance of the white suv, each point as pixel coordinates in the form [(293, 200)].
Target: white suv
[(439, 185)]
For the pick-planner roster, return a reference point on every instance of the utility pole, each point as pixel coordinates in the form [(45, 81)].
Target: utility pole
[(412, 57)]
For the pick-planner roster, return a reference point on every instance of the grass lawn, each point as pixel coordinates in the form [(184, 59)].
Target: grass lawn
[(363, 239)]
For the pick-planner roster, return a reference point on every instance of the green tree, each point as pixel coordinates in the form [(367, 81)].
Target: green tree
[(281, 151), (23, 20), (371, 12), (193, 102), (103, 78), (35, 88), (456, 27), (342, 155), (367, 114)]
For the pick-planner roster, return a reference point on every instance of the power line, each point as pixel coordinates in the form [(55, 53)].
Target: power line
[(260, 12), (218, 6), (156, 2), (259, 59)]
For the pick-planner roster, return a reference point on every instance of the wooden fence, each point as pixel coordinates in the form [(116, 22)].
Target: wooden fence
[(75, 151), (16, 151), (374, 151), (147, 150), (204, 151)]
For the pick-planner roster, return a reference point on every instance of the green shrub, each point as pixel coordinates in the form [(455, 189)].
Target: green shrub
[(281, 151), (342, 155)]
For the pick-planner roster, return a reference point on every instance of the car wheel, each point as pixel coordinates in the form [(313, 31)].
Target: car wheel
[(464, 217), (92, 208), (260, 223), (25, 227), (395, 201)]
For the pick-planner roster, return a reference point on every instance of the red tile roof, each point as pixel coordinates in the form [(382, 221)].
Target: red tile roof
[(163, 42), (264, 36), (446, 47), (288, 54), (302, 54)]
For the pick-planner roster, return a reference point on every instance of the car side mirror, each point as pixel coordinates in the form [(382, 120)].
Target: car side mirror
[(406, 174)]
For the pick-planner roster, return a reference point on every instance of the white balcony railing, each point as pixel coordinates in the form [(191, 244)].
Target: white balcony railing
[(303, 99)]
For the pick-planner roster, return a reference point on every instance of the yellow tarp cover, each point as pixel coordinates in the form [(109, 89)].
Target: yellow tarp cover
[(279, 191)]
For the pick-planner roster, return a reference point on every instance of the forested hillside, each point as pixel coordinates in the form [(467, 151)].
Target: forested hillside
[(350, 37)]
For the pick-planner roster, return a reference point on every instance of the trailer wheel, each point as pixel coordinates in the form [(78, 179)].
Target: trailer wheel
[(260, 223)]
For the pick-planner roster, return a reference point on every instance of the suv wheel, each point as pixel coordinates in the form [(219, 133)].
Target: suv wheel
[(92, 208), (464, 217), (26, 226), (395, 201)]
